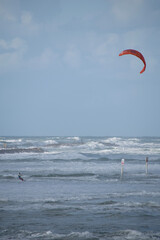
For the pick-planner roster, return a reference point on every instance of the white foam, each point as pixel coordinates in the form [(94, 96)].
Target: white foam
[(133, 234), (112, 140), (73, 138), (72, 235), (50, 142), (97, 146), (128, 234), (11, 140), (93, 145)]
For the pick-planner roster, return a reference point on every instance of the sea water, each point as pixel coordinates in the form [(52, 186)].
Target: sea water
[(73, 188)]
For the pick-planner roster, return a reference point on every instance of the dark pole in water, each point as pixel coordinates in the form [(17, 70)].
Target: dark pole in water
[(122, 164), (146, 165)]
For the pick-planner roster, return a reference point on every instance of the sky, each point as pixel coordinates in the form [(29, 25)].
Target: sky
[(61, 73)]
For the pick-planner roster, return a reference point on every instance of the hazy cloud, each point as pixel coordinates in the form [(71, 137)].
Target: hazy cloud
[(6, 13), (104, 48), (28, 24), (126, 11), (12, 53), (72, 57), (46, 59)]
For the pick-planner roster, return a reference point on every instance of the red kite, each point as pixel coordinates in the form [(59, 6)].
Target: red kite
[(135, 53)]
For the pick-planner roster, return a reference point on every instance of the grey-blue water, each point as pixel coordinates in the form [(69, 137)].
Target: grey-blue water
[(73, 188)]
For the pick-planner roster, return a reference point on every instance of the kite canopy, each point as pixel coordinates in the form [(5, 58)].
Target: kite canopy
[(135, 53)]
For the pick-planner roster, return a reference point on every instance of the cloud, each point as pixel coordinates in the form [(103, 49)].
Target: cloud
[(104, 49), (26, 18), (15, 20), (14, 44), (46, 59), (27, 23), (6, 14), (135, 38), (13, 56), (125, 10), (72, 57), (12, 53)]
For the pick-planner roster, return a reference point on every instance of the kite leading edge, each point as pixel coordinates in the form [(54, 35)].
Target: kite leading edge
[(135, 53)]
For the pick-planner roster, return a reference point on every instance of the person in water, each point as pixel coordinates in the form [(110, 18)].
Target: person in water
[(19, 176)]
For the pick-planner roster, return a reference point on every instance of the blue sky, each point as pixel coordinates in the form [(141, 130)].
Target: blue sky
[(60, 73)]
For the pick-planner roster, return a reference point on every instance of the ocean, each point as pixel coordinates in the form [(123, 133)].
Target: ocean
[(74, 188)]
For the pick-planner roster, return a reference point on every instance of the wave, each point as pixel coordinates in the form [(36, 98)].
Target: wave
[(128, 234), (133, 194), (50, 142), (74, 138), (63, 175), (130, 205), (6, 177), (133, 234), (51, 235), (62, 145), (91, 147), (21, 150), (148, 205), (11, 140)]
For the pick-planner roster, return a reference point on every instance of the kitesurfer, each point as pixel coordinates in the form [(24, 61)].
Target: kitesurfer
[(20, 177)]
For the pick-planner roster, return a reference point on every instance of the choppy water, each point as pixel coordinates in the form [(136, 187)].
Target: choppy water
[(73, 188)]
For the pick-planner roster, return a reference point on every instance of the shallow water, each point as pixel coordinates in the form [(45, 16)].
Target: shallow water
[(73, 188)]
